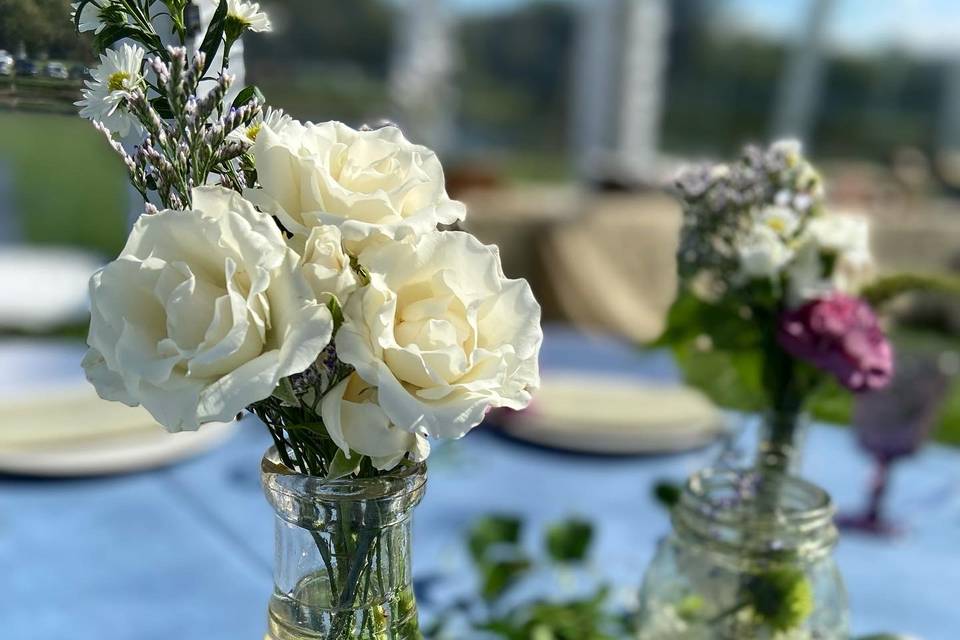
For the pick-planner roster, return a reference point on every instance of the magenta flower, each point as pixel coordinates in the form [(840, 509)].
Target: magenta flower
[(839, 334)]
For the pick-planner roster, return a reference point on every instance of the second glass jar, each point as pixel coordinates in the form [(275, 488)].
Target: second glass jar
[(749, 557)]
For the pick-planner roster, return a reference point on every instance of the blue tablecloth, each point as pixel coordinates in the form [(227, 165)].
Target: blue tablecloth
[(186, 552)]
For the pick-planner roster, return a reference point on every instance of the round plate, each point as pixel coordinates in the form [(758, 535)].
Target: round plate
[(53, 424), (42, 288), (119, 454), (614, 415)]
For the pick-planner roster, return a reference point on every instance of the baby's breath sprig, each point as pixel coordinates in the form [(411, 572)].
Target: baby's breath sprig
[(721, 200)]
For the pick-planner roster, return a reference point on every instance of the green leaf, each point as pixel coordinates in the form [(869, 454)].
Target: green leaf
[(730, 325), (490, 531), (729, 380), (886, 289), (341, 466), (248, 94), (667, 493), (569, 541), (114, 32), (499, 576), (214, 35)]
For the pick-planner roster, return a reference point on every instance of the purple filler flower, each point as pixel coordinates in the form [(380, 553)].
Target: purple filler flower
[(839, 334)]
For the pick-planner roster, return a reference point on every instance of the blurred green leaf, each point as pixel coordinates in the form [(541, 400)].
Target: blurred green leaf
[(667, 493), (490, 531), (569, 541), (500, 575), (886, 289), (730, 326), (584, 619)]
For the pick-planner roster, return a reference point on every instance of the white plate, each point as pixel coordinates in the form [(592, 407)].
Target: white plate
[(53, 424), (614, 415), (136, 452), (42, 288)]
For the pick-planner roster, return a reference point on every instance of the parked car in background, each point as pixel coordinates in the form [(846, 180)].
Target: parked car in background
[(56, 70), (6, 63), (25, 67)]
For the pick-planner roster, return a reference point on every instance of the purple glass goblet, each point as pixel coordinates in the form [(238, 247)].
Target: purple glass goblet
[(890, 425)]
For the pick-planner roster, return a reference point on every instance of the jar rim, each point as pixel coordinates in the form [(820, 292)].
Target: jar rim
[(403, 479), (700, 495), (736, 510)]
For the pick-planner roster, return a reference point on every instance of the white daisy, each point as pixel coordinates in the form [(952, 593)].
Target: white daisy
[(90, 19), (249, 15), (274, 119), (119, 73), (781, 220)]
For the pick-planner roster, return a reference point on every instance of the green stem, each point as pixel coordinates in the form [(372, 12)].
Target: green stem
[(344, 618), (726, 613)]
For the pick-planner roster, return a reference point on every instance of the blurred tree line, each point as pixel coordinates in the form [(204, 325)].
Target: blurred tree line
[(514, 79), (512, 69), (43, 28), (332, 60), (722, 91)]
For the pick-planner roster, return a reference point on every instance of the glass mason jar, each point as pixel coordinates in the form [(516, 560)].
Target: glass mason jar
[(342, 564), (742, 563)]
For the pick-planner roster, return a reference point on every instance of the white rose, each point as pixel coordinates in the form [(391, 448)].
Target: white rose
[(442, 334), (846, 234), (368, 183), (840, 243), (763, 253), (326, 266), (202, 314), (356, 423)]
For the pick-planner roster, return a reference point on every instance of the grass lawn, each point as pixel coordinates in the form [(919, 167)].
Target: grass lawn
[(68, 187)]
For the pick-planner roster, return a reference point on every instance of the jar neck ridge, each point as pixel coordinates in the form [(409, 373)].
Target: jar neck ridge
[(728, 513)]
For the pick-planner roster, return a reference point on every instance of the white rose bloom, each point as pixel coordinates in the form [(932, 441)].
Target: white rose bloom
[(368, 183), (842, 241), (202, 314), (356, 423), (442, 334), (845, 234), (326, 266), (763, 253), (119, 73)]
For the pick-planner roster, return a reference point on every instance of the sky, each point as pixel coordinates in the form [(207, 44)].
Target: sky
[(926, 26)]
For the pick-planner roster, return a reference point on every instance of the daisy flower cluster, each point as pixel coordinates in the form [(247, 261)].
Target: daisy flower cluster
[(757, 238), (172, 110)]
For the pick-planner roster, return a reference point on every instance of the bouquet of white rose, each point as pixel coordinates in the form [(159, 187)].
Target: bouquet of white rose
[(290, 269)]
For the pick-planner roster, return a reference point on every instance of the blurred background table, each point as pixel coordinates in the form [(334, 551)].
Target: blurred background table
[(186, 551)]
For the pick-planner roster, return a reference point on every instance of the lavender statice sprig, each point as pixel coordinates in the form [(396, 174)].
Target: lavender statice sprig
[(188, 136)]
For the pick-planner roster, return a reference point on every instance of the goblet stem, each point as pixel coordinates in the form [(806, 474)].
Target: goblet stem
[(878, 490)]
